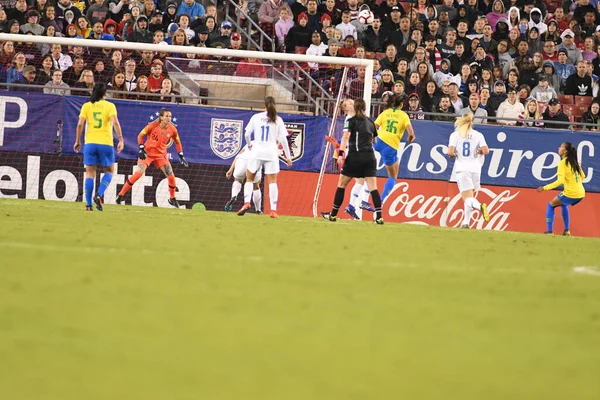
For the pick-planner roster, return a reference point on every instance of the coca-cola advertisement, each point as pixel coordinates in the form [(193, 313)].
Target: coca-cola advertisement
[(439, 203)]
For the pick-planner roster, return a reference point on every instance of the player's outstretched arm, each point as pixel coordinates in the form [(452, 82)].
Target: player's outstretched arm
[(78, 133), (117, 127), (411, 133)]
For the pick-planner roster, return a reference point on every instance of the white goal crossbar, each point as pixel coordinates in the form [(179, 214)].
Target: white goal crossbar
[(346, 61)]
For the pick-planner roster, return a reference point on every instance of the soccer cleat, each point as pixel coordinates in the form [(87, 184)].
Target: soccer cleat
[(243, 210), (273, 214), (229, 204), (89, 208), (259, 212), (484, 212), (548, 233), (464, 226), (99, 202), (567, 232), (328, 216), (119, 200), (365, 205), (350, 210), (378, 221), (174, 202)]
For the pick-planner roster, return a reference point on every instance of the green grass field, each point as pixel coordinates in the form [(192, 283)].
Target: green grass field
[(214, 306)]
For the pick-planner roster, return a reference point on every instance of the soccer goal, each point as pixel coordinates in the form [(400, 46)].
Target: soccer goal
[(211, 92)]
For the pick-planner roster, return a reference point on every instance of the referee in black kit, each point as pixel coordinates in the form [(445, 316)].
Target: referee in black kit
[(357, 148)]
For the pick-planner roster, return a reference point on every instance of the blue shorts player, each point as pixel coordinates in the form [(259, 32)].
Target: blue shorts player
[(570, 176), (391, 125), (100, 117)]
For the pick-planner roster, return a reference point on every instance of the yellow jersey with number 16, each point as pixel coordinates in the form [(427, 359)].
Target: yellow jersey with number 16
[(99, 125), (392, 123)]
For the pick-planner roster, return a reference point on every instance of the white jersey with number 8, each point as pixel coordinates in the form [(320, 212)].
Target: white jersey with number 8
[(266, 136), (466, 149)]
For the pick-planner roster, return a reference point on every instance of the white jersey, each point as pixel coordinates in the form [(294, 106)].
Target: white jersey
[(243, 154), (467, 158), (266, 136)]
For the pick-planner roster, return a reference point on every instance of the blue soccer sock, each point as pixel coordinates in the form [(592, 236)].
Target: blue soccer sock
[(387, 188), (549, 218), (566, 216), (104, 182), (89, 188)]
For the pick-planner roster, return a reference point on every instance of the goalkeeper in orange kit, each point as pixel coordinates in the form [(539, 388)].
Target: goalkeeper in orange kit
[(154, 151)]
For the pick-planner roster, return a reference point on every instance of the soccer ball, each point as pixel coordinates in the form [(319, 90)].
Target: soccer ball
[(365, 17)]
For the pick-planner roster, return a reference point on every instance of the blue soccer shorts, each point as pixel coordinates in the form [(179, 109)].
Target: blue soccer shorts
[(389, 155), (98, 154), (567, 201)]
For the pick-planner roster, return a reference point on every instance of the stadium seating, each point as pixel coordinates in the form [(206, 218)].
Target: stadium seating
[(574, 111), (583, 101), (566, 99)]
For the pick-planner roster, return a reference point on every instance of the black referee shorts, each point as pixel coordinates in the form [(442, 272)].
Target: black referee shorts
[(360, 165)]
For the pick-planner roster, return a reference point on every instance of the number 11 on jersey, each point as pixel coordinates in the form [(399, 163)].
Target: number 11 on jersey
[(264, 137)]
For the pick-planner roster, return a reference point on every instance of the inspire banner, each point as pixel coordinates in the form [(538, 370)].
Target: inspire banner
[(519, 157)]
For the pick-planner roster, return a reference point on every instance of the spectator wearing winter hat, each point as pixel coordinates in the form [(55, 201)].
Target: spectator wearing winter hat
[(299, 36), (562, 67), (28, 78), (140, 33), (554, 80), (554, 114), (573, 53), (171, 29), (63, 6), (32, 24), (191, 8), (170, 14), (543, 92), (329, 8), (498, 96), (156, 21)]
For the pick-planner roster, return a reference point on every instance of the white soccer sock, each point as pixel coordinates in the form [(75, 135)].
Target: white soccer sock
[(364, 195), (236, 188), (355, 194), (248, 187), (257, 199), (273, 195), (468, 211), (476, 205)]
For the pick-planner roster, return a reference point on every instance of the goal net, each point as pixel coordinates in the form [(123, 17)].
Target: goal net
[(212, 93)]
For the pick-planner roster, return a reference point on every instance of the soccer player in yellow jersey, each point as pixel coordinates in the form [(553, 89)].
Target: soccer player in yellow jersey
[(570, 176), (101, 118), (391, 125)]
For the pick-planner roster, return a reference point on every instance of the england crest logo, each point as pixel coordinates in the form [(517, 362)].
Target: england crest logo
[(295, 141), (225, 137)]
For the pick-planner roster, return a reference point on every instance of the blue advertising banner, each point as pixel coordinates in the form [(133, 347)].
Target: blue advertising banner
[(520, 157)]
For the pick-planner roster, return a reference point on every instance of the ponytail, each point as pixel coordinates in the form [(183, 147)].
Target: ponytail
[(394, 101), (464, 125), (360, 108), (98, 92), (271, 110), (572, 157)]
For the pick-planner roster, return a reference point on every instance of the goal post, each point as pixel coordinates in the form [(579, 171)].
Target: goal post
[(211, 106)]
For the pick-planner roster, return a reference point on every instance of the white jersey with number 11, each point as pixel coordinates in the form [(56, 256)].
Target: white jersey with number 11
[(266, 136), (466, 149)]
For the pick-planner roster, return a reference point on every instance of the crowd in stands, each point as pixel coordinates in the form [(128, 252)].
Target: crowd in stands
[(494, 58)]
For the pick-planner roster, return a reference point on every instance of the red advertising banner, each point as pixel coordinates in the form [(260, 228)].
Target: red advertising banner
[(439, 203)]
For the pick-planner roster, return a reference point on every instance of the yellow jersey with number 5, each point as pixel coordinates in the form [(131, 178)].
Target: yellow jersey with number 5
[(571, 181), (99, 125), (392, 123)]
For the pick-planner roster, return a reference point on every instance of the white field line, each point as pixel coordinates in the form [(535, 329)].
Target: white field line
[(587, 270)]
